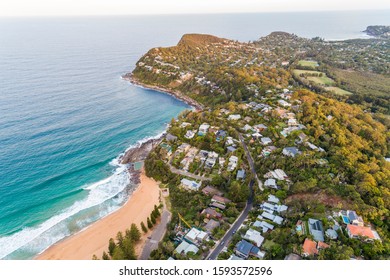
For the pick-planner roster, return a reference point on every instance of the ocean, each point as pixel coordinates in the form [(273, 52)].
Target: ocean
[(66, 114)]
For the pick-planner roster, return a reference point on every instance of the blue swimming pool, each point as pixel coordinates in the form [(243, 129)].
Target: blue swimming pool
[(345, 219)]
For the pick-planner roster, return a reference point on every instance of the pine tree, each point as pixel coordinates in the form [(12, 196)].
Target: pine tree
[(111, 246), (118, 254), (156, 211), (105, 256), (128, 250), (153, 219), (120, 239), (150, 225), (135, 234), (144, 228)]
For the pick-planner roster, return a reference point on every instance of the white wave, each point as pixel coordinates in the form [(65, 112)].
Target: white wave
[(38, 239), (97, 194)]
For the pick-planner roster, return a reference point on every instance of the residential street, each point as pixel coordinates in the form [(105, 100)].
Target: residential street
[(158, 233)]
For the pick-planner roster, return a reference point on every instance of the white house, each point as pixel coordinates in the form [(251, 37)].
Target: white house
[(190, 185), (234, 117), (255, 236)]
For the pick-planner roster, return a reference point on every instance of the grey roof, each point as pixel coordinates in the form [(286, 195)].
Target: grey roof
[(331, 233), (244, 247), (171, 137), (241, 174), (212, 224), (352, 215), (292, 257), (316, 229), (291, 150), (231, 149)]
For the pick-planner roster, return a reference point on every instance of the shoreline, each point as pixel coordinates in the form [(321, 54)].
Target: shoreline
[(94, 239), (176, 94)]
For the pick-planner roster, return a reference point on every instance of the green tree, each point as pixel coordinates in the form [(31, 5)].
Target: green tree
[(105, 256), (128, 250), (111, 246), (144, 228), (120, 238), (95, 258), (135, 234), (118, 254), (150, 225), (153, 219)]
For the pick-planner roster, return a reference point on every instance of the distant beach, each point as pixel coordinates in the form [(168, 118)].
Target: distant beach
[(94, 239)]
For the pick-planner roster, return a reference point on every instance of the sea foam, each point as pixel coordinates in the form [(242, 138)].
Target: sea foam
[(36, 239)]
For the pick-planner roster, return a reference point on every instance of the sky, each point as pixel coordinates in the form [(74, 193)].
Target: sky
[(11, 8)]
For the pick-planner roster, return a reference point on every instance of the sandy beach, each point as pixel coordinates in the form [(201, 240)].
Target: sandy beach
[(94, 239)]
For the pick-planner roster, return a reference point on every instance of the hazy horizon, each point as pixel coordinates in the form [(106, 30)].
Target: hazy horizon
[(62, 8)]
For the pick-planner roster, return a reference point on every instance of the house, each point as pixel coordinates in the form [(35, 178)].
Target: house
[(274, 218), (233, 161), (244, 249), (316, 229), (220, 199), (271, 183), (291, 151), (292, 122), (211, 160), (211, 191), (233, 257), (240, 174), (302, 137), (273, 199), (183, 148), (260, 127), (195, 236), (234, 117), (211, 213), (220, 135), (203, 128), (278, 174), (186, 247), (229, 141), (268, 150), (263, 225), (358, 232), (331, 233), (355, 219), (309, 248), (322, 245), (247, 127), (265, 140), (231, 149), (292, 257), (256, 135), (211, 224), (283, 103), (184, 124), (254, 236), (167, 148), (190, 185), (247, 119), (217, 205), (171, 138), (190, 134)]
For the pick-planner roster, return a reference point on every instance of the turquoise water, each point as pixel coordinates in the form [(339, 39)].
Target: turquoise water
[(66, 115)]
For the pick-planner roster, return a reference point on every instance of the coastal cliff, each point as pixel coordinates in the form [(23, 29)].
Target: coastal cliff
[(379, 31)]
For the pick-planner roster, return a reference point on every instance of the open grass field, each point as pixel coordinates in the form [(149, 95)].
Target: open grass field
[(338, 91), (308, 63), (324, 80)]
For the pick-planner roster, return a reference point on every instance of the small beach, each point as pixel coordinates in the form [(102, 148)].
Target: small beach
[(94, 239)]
